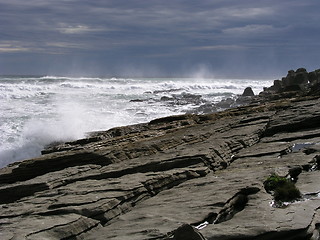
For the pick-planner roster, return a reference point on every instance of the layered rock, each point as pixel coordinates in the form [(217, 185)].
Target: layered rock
[(180, 177)]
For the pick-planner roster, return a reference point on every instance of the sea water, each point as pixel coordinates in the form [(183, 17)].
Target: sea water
[(38, 110)]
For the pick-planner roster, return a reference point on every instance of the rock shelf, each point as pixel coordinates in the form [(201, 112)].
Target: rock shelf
[(182, 177)]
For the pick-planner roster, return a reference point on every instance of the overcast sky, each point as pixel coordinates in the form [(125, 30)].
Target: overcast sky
[(159, 37)]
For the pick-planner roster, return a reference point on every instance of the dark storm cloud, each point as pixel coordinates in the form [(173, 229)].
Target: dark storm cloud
[(230, 35)]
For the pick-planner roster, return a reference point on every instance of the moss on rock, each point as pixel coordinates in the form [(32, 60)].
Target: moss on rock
[(283, 189)]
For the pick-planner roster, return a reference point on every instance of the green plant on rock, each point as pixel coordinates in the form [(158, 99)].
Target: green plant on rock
[(283, 189)]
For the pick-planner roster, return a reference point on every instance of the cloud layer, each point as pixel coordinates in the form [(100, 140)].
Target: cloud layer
[(111, 36)]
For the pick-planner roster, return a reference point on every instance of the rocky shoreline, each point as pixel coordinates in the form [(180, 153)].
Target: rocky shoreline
[(185, 177)]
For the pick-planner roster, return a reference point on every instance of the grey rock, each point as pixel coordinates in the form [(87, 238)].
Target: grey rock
[(179, 177), (296, 83), (248, 92)]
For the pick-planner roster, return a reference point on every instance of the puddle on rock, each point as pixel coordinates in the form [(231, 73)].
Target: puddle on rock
[(298, 146)]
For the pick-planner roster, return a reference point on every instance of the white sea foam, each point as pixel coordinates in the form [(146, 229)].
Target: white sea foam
[(36, 111)]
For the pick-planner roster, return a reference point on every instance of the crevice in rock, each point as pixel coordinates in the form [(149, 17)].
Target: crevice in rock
[(158, 185), (255, 119), (217, 153), (77, 236), (109, 210), (59, 161), (230, 208), (84, 203), (68, 231), (304, 124), (122, 207), (158, 166), (102, 212), (301, 136), (53, 163), (13, 193)]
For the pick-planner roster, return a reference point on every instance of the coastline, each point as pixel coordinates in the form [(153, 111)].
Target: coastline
[(147, 181), (41, 110)]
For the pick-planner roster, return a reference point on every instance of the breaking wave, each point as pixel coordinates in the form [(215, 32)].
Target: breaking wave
[(37, 111)]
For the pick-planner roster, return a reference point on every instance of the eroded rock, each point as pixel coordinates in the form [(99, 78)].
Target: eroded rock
[(196, 176)]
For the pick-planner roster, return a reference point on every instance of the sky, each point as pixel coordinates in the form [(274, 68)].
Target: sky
[(248, 38)]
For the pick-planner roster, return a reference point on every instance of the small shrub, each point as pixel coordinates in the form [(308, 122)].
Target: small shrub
[(282, 188), (287, 192)]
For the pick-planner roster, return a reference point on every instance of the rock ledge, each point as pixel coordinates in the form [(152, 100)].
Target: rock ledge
[(180, 177)]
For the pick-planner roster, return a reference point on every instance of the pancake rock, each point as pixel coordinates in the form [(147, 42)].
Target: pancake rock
[(180, 177)]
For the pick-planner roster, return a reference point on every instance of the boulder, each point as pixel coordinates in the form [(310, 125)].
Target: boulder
[(187, 232), (296, 77), (298, 82), (248, 92), (277, 85)]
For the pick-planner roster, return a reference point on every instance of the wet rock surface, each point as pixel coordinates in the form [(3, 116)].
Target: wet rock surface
[(180, 177)]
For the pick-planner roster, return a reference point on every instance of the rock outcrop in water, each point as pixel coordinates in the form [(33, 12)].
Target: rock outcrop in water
[(248, 92), (298, 82), (184, 177)]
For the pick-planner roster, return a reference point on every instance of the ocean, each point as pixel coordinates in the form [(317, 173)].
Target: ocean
[(39, 110)]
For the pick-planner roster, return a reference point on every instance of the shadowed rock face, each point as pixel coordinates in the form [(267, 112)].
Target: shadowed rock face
[(296, 82), (248, 92), (180, 177)]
